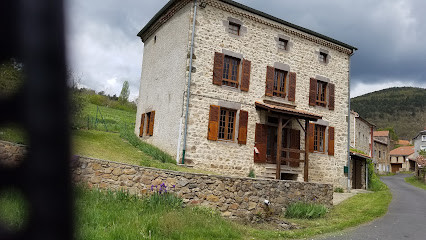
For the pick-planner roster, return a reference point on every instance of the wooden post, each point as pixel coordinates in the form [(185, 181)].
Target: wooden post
[(279, 139), (306, 167)]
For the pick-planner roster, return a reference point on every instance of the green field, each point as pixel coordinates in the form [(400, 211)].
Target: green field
[(106, 119), (415, 182)]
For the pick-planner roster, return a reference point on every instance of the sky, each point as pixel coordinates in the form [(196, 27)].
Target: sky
[(104, 51)]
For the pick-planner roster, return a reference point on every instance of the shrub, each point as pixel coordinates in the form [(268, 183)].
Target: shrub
[(148, 149), (338, 190), (305, 210), (374, 183), (251, 174)]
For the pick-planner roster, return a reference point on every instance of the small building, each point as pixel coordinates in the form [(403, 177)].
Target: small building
[(381, 155), (419, 142), (399, 159), (420, 170), (361, 150), (403, 143), (265, 95)]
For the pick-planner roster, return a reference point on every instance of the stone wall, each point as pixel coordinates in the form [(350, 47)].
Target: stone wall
[(234, 197), (11, 154)]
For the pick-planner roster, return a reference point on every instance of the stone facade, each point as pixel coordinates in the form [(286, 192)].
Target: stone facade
[(11, 155), (258, 44), (361, 134), (381, 154), (232, 196)]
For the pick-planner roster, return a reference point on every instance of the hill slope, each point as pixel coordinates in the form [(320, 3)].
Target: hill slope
[(404, 109)]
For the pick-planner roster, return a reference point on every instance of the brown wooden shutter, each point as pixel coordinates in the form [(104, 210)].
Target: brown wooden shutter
[(213, 123), (242, 127), (260, 143), (331, 141), (141, 127), (292, 87), (151, 123), (245, 80), (218, 68), (331, 96), (311, 130), (270, 73), (295, 144), (313, 92)]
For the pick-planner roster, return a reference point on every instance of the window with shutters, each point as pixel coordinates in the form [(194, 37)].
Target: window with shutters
[(321, 94), (227, 124), (234, 28), (231, 71), (148, 120), (319, 138), (149, 123), (280, 83)]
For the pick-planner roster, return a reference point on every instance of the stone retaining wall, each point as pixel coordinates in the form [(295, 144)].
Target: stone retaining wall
[(11, 154), (233, 196)]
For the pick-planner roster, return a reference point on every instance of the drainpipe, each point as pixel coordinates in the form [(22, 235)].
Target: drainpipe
[(189, 83), (349, 123)]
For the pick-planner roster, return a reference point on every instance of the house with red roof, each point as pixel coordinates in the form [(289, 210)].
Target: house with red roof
[(400, 161)]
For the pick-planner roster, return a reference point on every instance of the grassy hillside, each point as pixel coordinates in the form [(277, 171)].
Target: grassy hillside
[(404, 109)]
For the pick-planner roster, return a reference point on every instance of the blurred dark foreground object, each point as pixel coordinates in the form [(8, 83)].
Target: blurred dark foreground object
[(33, 33)]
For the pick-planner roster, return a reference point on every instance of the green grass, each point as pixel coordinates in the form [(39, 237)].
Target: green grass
[(13, 134), (415, 182), (302, 210), (109, 146), (114, 119), (339, 190), (105, 215), (352, 212), (13, 209)]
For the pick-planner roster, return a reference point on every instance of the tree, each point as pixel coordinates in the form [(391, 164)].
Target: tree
[(11, 77), (125, 92)]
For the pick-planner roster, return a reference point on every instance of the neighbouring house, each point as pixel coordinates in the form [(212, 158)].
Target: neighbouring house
[(403, 143), (264, 94), (399, 159), (361, 150), (381, 155), (419, 142)]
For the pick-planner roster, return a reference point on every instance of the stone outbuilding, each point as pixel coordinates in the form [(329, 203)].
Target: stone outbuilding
[(400, 161), (244, 91)]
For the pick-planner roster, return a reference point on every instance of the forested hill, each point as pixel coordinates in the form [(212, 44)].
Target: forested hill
[(404, 109)]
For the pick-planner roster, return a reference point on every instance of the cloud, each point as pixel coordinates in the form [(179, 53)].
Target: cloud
[(102, 42)]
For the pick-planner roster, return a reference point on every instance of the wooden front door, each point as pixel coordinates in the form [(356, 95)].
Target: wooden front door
[(396, 167), (356, 174)]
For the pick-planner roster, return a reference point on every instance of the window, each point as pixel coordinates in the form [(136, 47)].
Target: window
[(280, 83), (148, 120), (282, 44), (379, 154), (423, 147), (423, 138), (321, 94), (231, 67), (323, 57), (227, 124), (319, 138), (234, 28)]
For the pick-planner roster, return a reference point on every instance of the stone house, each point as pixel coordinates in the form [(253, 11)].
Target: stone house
[(399, 159), (361, 149), (381, 155), (419, 142), (265, 95)]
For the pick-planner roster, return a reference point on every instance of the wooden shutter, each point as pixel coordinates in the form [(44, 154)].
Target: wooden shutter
[(270, 73), (260, 143), (331, 96), (141, 127), (151, 123), (313, 92), (245, 80), (218, 68), (331, 141), (242, 127), (292, 87), (311, 130), (295, 144), (213, 123)]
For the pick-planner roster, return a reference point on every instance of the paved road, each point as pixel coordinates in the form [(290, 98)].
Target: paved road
[(406, 218)]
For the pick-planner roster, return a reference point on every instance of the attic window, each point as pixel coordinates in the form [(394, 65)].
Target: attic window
[(155, 39), (282, 44), (323, 57), (234, 28)]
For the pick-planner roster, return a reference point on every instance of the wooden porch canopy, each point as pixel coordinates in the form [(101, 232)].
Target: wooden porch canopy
[(289, 112)]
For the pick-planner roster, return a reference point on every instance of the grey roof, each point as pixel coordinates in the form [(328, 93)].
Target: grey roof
[(252, 10), (420, 133)]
